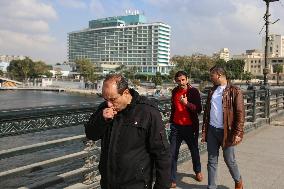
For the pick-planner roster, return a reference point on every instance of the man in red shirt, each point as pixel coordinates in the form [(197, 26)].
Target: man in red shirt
[(184, 123)]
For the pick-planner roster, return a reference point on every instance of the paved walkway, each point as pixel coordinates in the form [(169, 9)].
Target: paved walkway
[(260, 158)]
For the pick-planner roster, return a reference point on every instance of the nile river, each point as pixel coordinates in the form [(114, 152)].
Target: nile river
[(12, 99)]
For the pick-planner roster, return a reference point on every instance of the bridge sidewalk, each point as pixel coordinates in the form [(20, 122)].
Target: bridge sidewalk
[(260, 159)]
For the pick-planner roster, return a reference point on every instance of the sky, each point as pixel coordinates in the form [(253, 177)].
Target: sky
[(39, 28)]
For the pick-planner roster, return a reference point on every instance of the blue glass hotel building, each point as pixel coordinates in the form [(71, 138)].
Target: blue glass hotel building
[(123, 40)]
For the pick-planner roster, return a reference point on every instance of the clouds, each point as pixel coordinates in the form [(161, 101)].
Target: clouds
[(25, 27), (38, 28), (77, 4), (26, 9), (107, 8), (208, 25)]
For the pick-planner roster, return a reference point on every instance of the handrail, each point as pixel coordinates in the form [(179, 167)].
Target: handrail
[(39, 146)]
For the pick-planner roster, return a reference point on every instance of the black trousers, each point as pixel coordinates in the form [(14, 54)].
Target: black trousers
[(177, 135)]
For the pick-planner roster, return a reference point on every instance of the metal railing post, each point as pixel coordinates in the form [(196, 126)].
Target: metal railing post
[(267, 103), (254, 105)]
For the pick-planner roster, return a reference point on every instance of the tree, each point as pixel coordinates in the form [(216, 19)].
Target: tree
[(196, 65), (20, 69), (58, 72), (234, 68), (277, 68), (39, 69), (1, 73), (157, 79), (25, 69), (247, 76), (182, 63), (86, 69), (120, 68)]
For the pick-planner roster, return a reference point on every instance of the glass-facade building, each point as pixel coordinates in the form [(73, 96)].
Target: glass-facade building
[(123, 40)]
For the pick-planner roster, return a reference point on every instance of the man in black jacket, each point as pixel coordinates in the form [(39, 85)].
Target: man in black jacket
[(133, 138)]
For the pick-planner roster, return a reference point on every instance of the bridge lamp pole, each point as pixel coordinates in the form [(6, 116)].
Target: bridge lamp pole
[(266, 18)]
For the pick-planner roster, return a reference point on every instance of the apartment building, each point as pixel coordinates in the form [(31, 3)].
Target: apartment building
[(9, 58), (275, 45), (224, 54), (254, 61)]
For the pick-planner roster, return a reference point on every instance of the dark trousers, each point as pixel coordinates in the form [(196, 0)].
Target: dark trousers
[(177, 135)]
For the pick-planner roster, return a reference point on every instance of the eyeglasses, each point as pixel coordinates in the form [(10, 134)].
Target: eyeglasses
[(112, 100)]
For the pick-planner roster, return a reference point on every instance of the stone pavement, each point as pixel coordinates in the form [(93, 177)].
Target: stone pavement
[(260, 159)]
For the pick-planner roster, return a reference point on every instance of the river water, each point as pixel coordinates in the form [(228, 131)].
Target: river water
[(14, 99)]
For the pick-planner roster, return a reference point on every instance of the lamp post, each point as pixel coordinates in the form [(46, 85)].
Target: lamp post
[(266, 18)]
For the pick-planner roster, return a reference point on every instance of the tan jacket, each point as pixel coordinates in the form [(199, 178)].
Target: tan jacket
[(233, 114)]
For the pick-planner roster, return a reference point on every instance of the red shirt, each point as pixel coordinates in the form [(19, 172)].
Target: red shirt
[(181, 114)]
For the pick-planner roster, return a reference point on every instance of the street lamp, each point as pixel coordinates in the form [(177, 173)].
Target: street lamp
[(266, 18)]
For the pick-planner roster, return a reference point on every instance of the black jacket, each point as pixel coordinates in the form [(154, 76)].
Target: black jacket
[(132, 143)]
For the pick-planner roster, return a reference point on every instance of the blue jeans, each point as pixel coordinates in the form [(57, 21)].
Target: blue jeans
[(177, 135), (214, 141)]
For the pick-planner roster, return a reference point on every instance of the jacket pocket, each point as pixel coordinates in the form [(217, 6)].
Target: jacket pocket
[(138, 127), (142, 174)]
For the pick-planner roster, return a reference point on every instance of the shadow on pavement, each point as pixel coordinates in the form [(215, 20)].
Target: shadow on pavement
[(184, 185)]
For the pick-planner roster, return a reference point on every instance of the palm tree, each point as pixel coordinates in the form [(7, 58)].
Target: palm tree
[(277, 69)]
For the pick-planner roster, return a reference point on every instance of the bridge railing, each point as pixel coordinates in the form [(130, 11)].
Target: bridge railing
[(261, 107)]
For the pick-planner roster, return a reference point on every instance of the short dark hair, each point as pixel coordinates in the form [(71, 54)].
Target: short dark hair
[(218, 70), (180, 73), (120, 80)]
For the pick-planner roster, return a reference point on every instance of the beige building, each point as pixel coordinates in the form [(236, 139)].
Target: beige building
[(9, 58), (272, 61), (254, 61), (224, 54), (275, 45)]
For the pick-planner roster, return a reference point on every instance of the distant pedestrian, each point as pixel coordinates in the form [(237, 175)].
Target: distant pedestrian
[(184, 123), (223, 124), (133, 138)]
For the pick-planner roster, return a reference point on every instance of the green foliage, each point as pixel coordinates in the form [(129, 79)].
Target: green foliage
[(157, 79), (277, 68), (86, 69), (247, 76), (1, 73), (128, 72), (234, 68), (197, 66), (141, 77), (24, 69)]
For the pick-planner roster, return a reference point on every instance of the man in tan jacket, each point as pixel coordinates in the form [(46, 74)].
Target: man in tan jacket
[(223, 124)]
